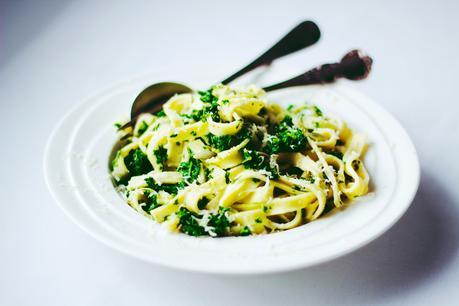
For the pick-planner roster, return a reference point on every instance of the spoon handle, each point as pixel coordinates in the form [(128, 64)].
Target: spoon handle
[(303, 35), (355, 65)]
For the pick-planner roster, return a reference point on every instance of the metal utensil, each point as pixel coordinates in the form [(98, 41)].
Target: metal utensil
[(153, 97)]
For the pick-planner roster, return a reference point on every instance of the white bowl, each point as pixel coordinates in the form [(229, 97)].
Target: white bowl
[(76, 171)]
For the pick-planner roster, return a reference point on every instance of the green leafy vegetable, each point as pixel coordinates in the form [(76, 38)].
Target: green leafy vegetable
[(245, 231), (318, 111), (190, 169), (219, 222), (207, 96), (169, 188), (220, 143), (188, 222), (287, 138), (137, 163), (255, 160), (151, 202), (161, 113), (202, 203), (142, 128), (161, 155)]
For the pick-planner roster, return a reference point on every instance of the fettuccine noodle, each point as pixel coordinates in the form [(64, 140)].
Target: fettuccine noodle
[(226, 162)]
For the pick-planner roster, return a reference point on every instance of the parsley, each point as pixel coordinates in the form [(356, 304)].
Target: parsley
[(190, 169), (286, 138), (245, 231), (169, 188), (203, 202), (115, 159), (189, 222), (227, 177), (161, 156), (196, 115), (258, 220), (137, 163), (208, 173), (142, 128), (161, 113), (220, 143), (219, 222), (117, 125), (254, 160), (317, 111), (207, 96), (174, 135), (225, 101), (225, 142), (151, 203)]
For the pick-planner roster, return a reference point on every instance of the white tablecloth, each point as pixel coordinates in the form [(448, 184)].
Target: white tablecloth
[(54, 53)]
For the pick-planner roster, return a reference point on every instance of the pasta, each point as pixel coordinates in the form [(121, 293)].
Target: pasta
[(225, 162)]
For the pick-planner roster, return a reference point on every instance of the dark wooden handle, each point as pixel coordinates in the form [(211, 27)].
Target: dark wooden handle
[(303, 35), (355, 65)]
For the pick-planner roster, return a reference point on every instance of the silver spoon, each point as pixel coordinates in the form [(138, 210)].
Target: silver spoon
[(151, 99)]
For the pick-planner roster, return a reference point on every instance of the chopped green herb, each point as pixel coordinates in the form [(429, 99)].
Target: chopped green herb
[(115, 159), (151, 202), (220, 143), (169, 188), (318, 111), (208, 174), (188, 222), (255, 160), (258, 220), (161, 113), (287, 138), (142, 128), (117, 125), (227, 177), (190, 169), (207, 96), (219, 222), (245, 231), (161, 156), (137, 163), (203, 202)]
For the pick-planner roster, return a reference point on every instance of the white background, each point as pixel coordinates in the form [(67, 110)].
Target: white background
[(54, 53)]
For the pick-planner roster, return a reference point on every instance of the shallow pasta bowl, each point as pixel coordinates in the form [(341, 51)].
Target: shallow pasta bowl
[(76, 171)]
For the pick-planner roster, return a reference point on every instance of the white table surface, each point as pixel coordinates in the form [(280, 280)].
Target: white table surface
[(54, 53)]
